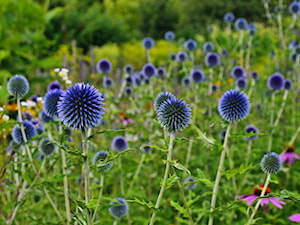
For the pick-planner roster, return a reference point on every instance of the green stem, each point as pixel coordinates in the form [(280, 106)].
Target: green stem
[(99, 196), (281, 108), (258, 202), (218, 177), (189, 152), (164, 183), (294, 136)]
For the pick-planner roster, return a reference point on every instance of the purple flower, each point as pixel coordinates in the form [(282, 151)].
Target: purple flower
[(295, 217), (289, 155)]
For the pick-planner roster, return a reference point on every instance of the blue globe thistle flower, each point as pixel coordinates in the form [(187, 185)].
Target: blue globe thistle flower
[(108, 82), (294, 7), (252, 29), (18, 86), (293, 57), (104, 66), (26, 116), (186, 81), (224, 53), (292, 44), (208, 47), (190, 186), (120, 209), (128, 69), (81, 106), (181, 57), (54, 85), (38, 126), (101, 156), (276, 82), (169, 36), (30, 132), (148, 43), (161, 72), (288, 84), (50, 102), (254, 75), (160, 98), (174, 115), (190, 45), (149, 70), (212, 59), (173, 56), (251, 129), (241, 24), (197, 76), (128, 91), (47, 148), (241, 83), (237, 72), (271, 163), (214, 88), (45, 118), (119, 144), (228, 17), (34, 98), (222, 134), (234, 106)]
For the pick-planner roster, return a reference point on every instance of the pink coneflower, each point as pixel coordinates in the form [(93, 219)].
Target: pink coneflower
[(295, 217), (289, 155), (256, 193)]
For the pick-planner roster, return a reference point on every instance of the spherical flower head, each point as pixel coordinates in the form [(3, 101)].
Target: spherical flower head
[(101, 156), (241, 83), (190, 45), (30, 132), (181, 57), (26, 116), (208, 47), (81, 106), (146, 148), (190, 186), (50, 102), (104, 66), (108, 82), (128, 69), (251, 129), (252, 29), (197, 76), (237, 72), (173, 56), (119, 144), (212, 59), (47, 148), (214, 88), (54, 85), (294, 7), (169, 36), (45, 118), (148, 43), (288, 85), (234, 106), (18, 86), (271, 163), (228, 17), (149, 70), (161, 72), (254, 75), (276, 82), (160, 98), (241, 24), (128, 91), (186, 81), (174, 115), (120, 209)]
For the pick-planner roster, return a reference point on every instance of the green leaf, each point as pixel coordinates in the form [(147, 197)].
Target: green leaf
[(142, 202), (93, 203), (104, 131), (179, 208), (179, 166), (171, 180)]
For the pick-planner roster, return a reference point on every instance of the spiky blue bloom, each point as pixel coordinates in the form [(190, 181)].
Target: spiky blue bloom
[(47, 148), (161, 72), (160, 98), (251, 129), (173, 56), (237, 72), (212, 59), (18, 86), (148, 43), (271, 163), (30, 132), (186, 81), (54, 85), (101, 156), (234, 106), (190, 45), (120, 209), (81, 106), (276, 82), (252, 29), (254, 75), (174, 115), (119, 144), (26, 116), (208, 47), (146, 148), (190, 186), (241, 24), (181, 57), (169, 36), (104, 66), (50, 102), (228, 17), (288, 84), (294, 7), (128, 69), (197, 76), (45, 118), (108, 82), (214, 88), (149, 70), (128, 91), (241, 83)]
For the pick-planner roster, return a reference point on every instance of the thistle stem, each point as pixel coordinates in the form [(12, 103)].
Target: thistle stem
[(164, 183), (99, 196), (258, 202), (281, 108), (218, 177)]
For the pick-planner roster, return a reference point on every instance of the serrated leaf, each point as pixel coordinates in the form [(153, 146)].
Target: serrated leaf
[(179, 166), (93, 203), (142, 202), (171, 180), (95, 186), (179, 208), (104, 131)]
